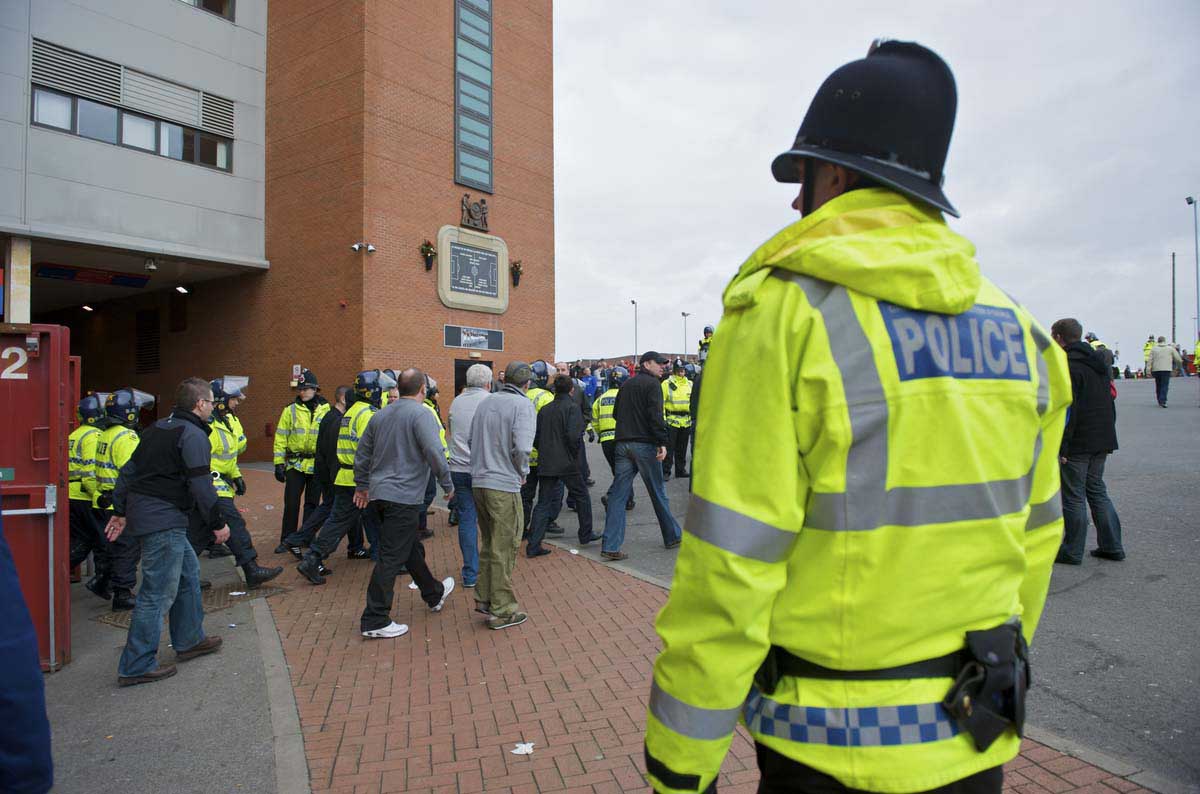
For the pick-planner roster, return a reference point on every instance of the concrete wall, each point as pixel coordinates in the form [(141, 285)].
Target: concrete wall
[(53, 184)]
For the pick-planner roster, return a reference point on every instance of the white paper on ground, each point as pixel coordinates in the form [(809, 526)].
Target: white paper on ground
[(523, 748)]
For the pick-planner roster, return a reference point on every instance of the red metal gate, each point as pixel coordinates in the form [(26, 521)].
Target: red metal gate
[(35, 383)]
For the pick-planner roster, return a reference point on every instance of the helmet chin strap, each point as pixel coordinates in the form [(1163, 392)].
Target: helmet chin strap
[(806, 189)]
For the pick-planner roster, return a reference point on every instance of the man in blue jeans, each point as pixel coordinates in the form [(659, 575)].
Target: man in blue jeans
[(641, 446), (462, 411), (168, 473), (1090, 437)]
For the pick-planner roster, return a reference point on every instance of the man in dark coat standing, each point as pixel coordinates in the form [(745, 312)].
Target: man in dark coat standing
[(559, 442), (1090, 437)]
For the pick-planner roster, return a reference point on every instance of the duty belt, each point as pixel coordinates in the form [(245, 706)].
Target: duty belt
[(299, 455), (991, 676)]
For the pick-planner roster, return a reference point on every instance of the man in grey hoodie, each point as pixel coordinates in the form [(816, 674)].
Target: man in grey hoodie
[(501, 440), (397, 451)]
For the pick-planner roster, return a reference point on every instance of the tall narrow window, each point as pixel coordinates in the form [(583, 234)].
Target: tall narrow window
[(473, 94)]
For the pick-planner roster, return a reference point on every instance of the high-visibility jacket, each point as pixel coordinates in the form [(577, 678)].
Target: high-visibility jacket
[(235, 425), (354, 424), (113, 451), (602, 415), (677, 401), (702, 348), (441, 427), (296, 435), (224, 440), (1146, 348), (907, 493), (540, 399), (81, 451)]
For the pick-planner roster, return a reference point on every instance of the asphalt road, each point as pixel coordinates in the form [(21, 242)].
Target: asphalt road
[(1117, 656)]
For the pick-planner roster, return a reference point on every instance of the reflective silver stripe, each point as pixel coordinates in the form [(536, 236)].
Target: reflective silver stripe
[(867, 503), (737, 533), (1043, 513), (691, 721)]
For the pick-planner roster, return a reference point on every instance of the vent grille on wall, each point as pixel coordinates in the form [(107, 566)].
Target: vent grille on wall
[(76, 73), (104, 81), (217, 114), (147, 330)]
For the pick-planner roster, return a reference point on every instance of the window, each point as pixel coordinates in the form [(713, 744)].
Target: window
[(106, 123), (51, 109), (223, 8), (137, 131), (473, 94)]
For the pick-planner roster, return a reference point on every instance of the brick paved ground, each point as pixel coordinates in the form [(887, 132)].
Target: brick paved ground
[(440, 709)]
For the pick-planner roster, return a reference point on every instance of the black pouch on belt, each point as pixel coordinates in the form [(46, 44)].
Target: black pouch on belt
[(989, 692)]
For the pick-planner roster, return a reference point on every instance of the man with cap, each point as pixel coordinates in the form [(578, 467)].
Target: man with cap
[(641, 447), (862, 598), (295, 449), (502, 431)]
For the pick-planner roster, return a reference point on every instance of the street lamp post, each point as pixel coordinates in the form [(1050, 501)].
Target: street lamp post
[(635, 346), (1196, 235), (685, 316)]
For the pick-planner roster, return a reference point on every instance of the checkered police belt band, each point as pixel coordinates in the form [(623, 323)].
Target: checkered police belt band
[(872, 726)]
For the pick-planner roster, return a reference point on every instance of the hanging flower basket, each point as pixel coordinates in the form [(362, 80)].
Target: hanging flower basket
[(515, 270), (428, 252)]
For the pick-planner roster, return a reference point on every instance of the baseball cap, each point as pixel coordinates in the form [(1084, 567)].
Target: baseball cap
[(518, 373), (654, 355)]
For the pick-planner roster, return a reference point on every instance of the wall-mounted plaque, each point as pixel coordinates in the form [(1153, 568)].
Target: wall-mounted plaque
[(474, 271)]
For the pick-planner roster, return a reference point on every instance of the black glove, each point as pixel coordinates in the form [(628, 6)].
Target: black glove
[(280, 472), (104, 500), (239, 486), (591, 435)]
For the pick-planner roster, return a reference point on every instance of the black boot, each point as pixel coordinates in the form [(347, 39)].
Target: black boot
[(310, 568), (123, 599), (98, 584), (256, 574)]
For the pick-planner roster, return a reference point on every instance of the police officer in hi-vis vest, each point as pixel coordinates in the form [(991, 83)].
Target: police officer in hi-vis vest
[(862, 597)]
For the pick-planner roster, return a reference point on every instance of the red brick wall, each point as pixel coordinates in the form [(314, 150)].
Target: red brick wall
[(360, 132)]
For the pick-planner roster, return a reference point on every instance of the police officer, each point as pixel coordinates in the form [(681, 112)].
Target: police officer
[(294, 450), (369, 386), (677, 407), (114, 449), (540, 397), (886, 559), (228, 482), (705, 343), (606, 424), (87, 528)]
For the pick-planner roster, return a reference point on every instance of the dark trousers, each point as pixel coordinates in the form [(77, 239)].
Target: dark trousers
[(677, 446), (399, 547), (296, 486), (430, 493), (607, 448), (1162, 382), (548, 489), (1083, 487), (87, 536), (528, 491), (308, 530), (343, 518), (239, 537), (123, 555), (585, 469), (782, 775)]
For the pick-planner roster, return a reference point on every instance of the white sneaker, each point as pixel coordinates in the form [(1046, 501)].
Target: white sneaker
[(387, 632), (447, 589)]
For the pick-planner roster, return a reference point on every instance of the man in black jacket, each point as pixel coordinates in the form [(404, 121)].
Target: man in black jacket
[(1090, 437), (168, 473), (559, 442), (641, 447)]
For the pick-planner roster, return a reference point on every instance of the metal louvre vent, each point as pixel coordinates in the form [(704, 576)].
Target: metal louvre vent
[(161, 97), (76, 73), (216, 114), (147, 331)]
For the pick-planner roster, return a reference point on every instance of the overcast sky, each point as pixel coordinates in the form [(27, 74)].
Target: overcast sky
[(1075, 144)]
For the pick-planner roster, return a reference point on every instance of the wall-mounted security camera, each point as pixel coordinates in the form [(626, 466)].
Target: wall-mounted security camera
[(370, 248), (360, 246)]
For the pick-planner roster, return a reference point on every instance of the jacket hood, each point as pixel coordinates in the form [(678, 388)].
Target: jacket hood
[(1082, 351), (874, 241)]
